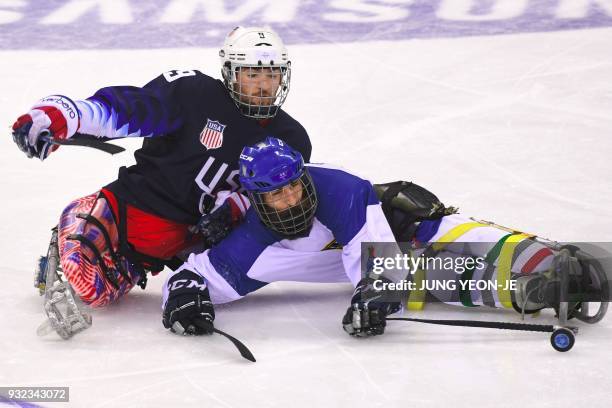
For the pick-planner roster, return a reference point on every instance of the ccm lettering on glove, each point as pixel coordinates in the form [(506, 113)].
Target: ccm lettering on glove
[(188, 309)]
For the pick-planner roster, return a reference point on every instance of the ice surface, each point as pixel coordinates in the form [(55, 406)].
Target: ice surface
[(514, 128)]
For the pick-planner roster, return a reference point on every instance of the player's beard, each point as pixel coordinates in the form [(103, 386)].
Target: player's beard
[(259, 100), (259, 104)]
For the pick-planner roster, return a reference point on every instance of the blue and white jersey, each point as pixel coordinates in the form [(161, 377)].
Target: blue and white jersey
[(252, 256)]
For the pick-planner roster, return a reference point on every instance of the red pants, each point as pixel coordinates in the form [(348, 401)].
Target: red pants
[(152, 235)]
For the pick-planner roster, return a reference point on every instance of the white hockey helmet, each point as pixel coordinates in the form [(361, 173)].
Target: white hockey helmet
[(256, 51)]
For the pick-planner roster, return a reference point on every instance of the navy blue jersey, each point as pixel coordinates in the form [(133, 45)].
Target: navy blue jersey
[(195, 134)]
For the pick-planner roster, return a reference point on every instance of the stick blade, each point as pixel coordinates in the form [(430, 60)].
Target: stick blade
[(244, 351)]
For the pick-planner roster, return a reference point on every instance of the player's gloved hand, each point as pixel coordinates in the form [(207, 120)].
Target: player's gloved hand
[(56, 116), (188, 309), (368, 311), (219, 223)]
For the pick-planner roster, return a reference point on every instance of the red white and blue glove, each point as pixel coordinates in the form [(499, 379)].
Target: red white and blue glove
[(55, 116)]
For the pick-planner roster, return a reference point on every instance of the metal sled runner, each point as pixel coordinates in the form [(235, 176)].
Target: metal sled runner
[(65, 314)]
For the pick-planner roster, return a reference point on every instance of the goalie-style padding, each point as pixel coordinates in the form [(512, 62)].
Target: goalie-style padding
[(406, 204)]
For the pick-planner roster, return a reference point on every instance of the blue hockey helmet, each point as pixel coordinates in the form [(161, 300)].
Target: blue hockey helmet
[(279, 186)]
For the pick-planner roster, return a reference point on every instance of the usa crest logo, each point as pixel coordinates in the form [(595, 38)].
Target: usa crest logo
[(212, 134)]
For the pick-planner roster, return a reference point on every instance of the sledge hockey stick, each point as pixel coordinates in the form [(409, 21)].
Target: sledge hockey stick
[(544, 328), (562, 338), (95, 144), (244, 351)]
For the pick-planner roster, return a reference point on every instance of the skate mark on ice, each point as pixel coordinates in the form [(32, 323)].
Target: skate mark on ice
[(133, 392), (348, 355), (206, 392)]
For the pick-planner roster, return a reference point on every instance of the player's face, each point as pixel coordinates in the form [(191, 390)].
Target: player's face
[(284, 198), (258, 86)]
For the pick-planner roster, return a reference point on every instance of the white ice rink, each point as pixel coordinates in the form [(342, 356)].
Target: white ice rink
[(513, 128)]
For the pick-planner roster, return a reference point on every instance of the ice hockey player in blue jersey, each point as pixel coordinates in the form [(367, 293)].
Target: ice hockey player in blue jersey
[(306, 223), (186, 173)]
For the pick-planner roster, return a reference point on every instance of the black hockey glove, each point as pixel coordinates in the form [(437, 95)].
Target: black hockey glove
[(216, 225), (219, 223), (368, 311), (188, 309)]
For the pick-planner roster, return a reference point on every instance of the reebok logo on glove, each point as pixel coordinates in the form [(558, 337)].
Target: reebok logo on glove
[(66, 104)]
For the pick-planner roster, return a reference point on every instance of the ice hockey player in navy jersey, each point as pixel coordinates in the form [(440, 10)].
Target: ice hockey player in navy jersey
[(185, 174), (306, 223)]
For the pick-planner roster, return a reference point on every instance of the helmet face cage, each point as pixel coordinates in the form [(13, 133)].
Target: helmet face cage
[(269, 103), (295, 220)]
